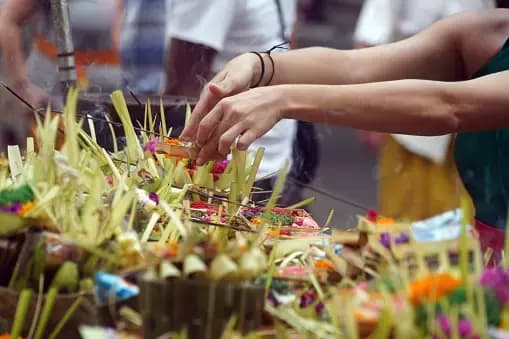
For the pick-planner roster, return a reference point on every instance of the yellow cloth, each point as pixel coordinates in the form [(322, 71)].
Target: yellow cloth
[(412, 187)]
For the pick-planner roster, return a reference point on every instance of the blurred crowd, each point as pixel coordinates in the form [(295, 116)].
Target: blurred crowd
[(172, 47)]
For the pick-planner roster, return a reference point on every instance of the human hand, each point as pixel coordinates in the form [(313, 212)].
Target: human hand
[(246, 116), (237, 76)]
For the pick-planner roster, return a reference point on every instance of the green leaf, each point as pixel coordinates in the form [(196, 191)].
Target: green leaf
[(21, 313)]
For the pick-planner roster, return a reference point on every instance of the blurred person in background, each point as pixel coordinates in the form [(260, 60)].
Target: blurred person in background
[(139, 34), (417, 176), (36, 78), (13, 132), (204, 35), (311, 10)]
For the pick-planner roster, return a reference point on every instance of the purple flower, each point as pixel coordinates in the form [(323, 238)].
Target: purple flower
[(497, 279), (272, 299), (319, 308), (402, 239), (13, 209), (385, 239), (307, 298), (445, 324), (150, 146), (465, 328), (154, 197)]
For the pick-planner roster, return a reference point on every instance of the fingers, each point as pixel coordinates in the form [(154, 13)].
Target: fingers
[(226, 140), (246, 139), (209, 151), (218, 146), (220, 87), (227, 85), (208, 125), (207, 100)]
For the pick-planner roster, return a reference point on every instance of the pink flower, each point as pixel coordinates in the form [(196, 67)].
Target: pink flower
[(498, 280), (154, 197), (150, 146), (465, 328), (220, 167)]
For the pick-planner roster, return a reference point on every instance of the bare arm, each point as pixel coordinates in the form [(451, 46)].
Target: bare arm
[(432, 54), (14, 13), (117, 24), (450, 50), (188, 67), (420, 107)]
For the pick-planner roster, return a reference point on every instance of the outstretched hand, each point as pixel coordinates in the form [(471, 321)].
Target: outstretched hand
[(236, 77), (228, 108), (243, 117)]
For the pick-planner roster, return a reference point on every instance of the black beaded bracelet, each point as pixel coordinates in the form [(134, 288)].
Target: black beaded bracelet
[(273, 68), (262, 71)]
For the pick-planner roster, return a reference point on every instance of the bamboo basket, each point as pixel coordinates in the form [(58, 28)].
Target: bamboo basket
[(10, 248), (85, 314), (203, 308)]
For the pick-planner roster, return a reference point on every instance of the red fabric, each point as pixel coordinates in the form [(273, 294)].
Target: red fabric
[(491, 237)]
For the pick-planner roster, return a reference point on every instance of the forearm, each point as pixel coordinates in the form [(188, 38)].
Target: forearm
[(314, 65), (431, 55), (117, 24), (12, 54), (408, 106)]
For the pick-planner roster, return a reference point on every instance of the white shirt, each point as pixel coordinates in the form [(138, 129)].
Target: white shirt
[(385, 21), (234, 27)]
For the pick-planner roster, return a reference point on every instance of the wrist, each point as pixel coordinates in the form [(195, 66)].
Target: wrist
[(255, 67), (300, 102), (291, 101), (262, 68)]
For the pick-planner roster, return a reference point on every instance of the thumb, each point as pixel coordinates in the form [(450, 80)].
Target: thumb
[(211, 94), (224, 87)]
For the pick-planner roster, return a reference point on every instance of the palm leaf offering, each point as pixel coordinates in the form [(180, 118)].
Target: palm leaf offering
[(146, 242)]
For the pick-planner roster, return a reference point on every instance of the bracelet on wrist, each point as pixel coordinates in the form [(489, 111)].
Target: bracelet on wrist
[(262, 65), (273, 68)]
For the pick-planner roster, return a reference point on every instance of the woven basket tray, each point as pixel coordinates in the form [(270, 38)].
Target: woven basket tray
[(85, 314), (201, 307)]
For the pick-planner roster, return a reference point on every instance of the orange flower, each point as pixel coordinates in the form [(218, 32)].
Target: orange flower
[(385, 221), (256, 220), (25, 208), (433, 287), (273, 233), (173, 142), (172, 249), (324, 265)]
